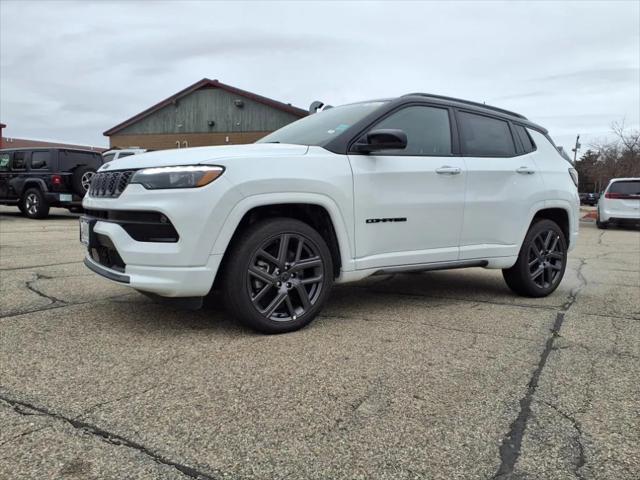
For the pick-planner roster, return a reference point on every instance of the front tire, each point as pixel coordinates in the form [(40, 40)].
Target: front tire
[(34, 205), (278, 275), (541, 263)]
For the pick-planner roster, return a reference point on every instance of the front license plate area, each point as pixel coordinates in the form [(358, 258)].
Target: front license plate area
[(86, 231)]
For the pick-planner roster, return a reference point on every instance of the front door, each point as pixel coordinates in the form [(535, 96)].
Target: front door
[(409, 203)]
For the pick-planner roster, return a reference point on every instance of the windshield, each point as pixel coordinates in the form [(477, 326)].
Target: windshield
[(108, 157), (319, 128)]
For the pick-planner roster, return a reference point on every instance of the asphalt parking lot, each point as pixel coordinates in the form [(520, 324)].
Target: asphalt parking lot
[(441, 375)]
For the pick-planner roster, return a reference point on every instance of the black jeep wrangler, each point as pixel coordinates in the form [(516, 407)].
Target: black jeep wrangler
[(35, 179)]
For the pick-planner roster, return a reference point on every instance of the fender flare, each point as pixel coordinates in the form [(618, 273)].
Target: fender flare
[(236, 214), (29, 183)]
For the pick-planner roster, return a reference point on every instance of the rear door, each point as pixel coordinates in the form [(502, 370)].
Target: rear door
[(502, 186), (409, 203)]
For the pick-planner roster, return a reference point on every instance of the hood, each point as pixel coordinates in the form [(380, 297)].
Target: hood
[(221, 155)]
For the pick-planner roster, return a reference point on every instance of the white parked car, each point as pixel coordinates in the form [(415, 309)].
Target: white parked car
[(620, 203), (415, 183), (111, 155)]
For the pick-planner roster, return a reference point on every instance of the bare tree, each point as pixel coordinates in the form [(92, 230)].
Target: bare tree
[(615, 158)]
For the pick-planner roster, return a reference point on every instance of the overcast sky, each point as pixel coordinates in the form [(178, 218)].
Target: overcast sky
[(71, 70)]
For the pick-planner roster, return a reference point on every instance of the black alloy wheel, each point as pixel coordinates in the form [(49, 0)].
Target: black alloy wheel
[(285, 277), (541, 263), (277, 275), (545, 258)]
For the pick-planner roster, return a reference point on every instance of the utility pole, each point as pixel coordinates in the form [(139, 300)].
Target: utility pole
[(576, 148)]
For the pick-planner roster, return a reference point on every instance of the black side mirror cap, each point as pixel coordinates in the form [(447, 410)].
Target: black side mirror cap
[(381, 139)]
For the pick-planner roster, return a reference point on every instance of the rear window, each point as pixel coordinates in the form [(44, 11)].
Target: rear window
[(19, 161), (39, 160), (625, 187), (69, 159), (483, 136)]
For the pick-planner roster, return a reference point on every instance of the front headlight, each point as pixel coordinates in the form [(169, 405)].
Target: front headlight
[(189, 176)]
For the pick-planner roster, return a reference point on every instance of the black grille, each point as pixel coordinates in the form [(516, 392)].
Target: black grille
[(110, 184)]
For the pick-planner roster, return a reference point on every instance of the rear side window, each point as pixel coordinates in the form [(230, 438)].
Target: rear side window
[(19, 162), (525, 138), (482, 136), (427, 128), (4, 161), (108, 157), (625, 187), (69, 159), (39, 160)]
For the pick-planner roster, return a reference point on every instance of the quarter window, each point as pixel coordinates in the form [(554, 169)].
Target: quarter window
[(39, 160), (525, 138), (18, 161), (427, 128), (482, 136)]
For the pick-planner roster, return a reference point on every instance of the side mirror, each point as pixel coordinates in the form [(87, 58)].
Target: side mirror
[(382, 139)]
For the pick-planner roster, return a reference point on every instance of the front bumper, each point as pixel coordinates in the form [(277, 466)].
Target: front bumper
[(182, 267), (163, 281)]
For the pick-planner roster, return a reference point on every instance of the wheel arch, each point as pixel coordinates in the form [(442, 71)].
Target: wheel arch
[(318, 211), (33, 183), (559, 215)]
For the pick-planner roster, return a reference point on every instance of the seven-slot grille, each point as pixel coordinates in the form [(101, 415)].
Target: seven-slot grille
[(110, 184)]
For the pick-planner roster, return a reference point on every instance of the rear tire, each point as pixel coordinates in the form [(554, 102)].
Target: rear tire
[(34, 205), (277, 275), (599, 224), (541, 263)]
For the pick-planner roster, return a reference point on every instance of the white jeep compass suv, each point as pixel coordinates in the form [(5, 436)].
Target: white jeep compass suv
[(420, 182)]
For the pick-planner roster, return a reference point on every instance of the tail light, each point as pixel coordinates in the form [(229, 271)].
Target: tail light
[(621, 196), (56, 180)]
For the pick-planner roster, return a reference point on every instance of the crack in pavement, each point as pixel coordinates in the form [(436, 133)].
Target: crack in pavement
[(62, 304), (511, 446), (23, 434), (51, 298), (111, 438), (581, 460), (38, 266)]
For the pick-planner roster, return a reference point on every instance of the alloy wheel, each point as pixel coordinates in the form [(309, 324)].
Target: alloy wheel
[(285, 277), (32, 203), (545, 259), (86, 180)]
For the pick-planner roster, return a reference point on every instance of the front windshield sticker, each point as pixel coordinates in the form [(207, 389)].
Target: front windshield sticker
[(340, 128)]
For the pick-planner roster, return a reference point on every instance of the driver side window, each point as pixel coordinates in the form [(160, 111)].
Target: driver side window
[(427, 128)]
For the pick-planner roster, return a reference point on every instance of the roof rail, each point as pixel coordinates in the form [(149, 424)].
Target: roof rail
[(468, 102)]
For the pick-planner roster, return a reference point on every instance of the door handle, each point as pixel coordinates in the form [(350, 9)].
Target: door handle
[(447, 170), (525, 170)]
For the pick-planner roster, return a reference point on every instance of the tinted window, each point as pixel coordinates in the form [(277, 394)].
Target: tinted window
[(525, 138), (427, 128), (124, 154), (108, 157), (69, 159), (485, 136), (19, 161), (321, 127), (4, 161), (626, 187), (39, 160)]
